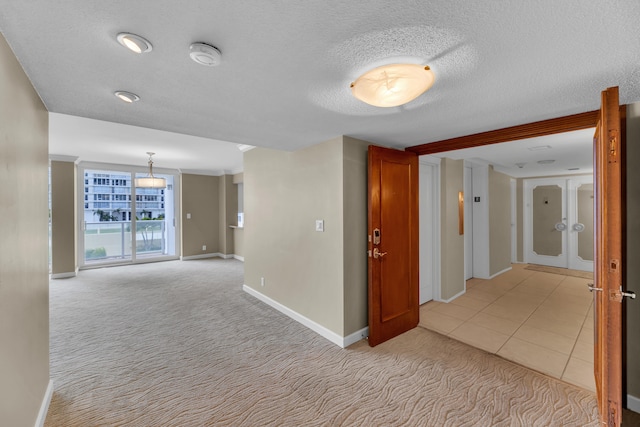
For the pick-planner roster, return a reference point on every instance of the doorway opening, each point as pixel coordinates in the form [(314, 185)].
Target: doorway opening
[(506, 308)]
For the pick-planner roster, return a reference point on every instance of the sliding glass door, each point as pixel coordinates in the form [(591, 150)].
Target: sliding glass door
[(124, 224), (154, 220)]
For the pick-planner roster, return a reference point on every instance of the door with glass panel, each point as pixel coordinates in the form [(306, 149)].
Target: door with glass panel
[(154, 220), (121, 223), (558, 222)]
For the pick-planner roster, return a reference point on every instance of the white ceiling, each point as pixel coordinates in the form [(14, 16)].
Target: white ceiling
[(571, 153), (286, 68)]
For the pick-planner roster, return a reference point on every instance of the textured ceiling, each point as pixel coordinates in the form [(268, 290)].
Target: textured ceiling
[(286, 65)]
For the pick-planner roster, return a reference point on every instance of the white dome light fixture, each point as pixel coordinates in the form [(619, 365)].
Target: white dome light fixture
[(393, 85), (127, 97), (134, 42), (205, 54), (151, 181)]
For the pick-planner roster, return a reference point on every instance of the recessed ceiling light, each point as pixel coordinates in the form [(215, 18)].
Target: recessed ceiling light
[(205, 54), (393, 85), (127, 96), (545, 162), (539, 148), (134, 43)]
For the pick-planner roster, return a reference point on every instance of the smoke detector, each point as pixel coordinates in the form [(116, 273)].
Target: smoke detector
[(205, 54)]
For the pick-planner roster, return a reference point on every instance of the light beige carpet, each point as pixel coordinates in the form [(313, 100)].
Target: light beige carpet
[(562, 271), (180, 344)]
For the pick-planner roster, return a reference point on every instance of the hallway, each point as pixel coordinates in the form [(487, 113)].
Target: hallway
[(540, 320)]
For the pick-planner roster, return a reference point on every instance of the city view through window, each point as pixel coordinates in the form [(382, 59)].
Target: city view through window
[(122, 222)]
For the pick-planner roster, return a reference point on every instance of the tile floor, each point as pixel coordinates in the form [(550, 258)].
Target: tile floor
[(540, 320)]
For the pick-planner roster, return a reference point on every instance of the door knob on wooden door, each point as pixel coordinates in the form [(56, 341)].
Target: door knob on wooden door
[(377, 254)]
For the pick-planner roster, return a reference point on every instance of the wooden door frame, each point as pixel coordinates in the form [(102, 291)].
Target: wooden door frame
[(563, 124)]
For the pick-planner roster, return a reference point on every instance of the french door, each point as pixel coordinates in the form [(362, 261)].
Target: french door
[(121, 223), (558, 222)]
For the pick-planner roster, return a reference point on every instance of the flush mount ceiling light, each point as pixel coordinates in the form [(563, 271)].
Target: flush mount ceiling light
[(126, 96), (205, 54), (393, 85), (151, 181), (134, 43)]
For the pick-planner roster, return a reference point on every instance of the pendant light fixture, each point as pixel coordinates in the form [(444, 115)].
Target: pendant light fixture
[(393, 85), (151, 181)]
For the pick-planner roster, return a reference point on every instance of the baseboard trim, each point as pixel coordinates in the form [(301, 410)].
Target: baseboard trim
[(202, 256), (355, 337), (453, 297), (44, 407), (239, 258), (316, 327), (633, 403), (500, 272), (64, 275)]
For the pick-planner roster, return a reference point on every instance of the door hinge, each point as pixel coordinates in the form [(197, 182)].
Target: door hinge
[(613, 149)]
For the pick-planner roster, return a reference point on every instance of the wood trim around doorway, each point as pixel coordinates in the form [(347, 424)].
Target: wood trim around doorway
[(530, 130)]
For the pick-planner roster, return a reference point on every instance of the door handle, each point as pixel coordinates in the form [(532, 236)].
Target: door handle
[(560, 226), (377, 254), (578, 227)]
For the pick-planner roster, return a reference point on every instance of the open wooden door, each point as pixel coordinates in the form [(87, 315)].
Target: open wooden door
[(393, 243), (608, 260)]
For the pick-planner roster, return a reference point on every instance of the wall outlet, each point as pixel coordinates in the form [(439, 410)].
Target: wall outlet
[(319, 225), (262, 281), (188, 216), (204, 247)]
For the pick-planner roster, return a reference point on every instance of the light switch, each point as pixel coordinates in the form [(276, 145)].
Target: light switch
[(319, 225), (188, 216)]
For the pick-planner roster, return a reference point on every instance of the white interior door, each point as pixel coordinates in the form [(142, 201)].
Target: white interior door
[(558, 222), (580, 230)]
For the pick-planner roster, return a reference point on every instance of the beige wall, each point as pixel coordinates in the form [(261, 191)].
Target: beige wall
[(520, 219), (63, 218), (228, 205), (499, 222), (452, 242), (24, 287), (200, 198), (238, 242), (355, 235), (633, 250), (320, 275)]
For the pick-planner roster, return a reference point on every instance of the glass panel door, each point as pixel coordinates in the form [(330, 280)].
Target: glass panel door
[(155, 231), (122, 223), (107, 216)]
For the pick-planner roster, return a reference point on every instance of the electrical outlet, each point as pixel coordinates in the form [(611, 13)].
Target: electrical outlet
[(319, 225), (262, 281), (204, 247)]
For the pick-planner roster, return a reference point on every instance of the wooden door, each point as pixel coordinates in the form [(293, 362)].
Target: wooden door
[(608, 258), (393, 243)]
